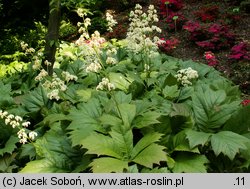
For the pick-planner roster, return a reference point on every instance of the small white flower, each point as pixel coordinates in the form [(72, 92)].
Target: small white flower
[(23, 140), (26, 124), (94, 67), (54, 94), (14, 124), (18, 118), (21, 133), (32, 135), (105, 84), (111, 61)]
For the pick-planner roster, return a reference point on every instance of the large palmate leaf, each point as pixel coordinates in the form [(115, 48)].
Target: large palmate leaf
[(54, 152), (211, 110), (196, 138), (35, 100), (239, 122), (228, 143), (119, 146), (190, 163), (84, 120)]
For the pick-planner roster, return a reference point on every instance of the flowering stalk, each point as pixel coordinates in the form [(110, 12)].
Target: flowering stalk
[(17, 122)]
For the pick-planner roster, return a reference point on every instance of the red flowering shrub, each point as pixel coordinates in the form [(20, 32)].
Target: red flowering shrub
[(245, 102), (208, 14), (169, 45), (168, 6), (240, 52), (210, 36), (211, 59), (196, 31), (175, 20)]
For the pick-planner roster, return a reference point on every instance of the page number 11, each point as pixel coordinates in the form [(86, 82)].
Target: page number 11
[(240, 181)]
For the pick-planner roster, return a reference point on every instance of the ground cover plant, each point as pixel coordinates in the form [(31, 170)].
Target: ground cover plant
[(121, 106)]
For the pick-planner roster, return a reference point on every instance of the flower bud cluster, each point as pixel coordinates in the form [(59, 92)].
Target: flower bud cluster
[(25, 48), (17, 122), (69, 77), (111, 53), (142, 28), (105, 85), (54, 86), (95, 41), (94, 67), (111, 22), (37, 61), (185, 76)]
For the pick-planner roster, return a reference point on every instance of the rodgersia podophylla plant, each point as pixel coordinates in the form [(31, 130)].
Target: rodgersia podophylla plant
[(16, 121), (141, 33), (185, 76)]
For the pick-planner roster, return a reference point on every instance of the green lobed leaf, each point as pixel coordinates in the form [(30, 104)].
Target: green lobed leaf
[(239, 122), (84, 94), (145, 142), (120, 81), (84, 120), (146, 119), (108, 165), (180, 143), (42, 166), (56, 149), (107, 119), (6, 162), (52, 118), (101, 145), (9, 146), (128, 112), (123, 142), (171, 92), (210, 109), (153, 154), (5, 95), (190, 163), (246, 155), (196, 138), (35, 100), (228, 143)]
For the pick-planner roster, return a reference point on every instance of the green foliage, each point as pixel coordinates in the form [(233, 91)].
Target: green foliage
[(54, 155), (212, 108)]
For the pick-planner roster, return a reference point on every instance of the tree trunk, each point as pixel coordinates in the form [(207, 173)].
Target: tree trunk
[(53, 34)]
